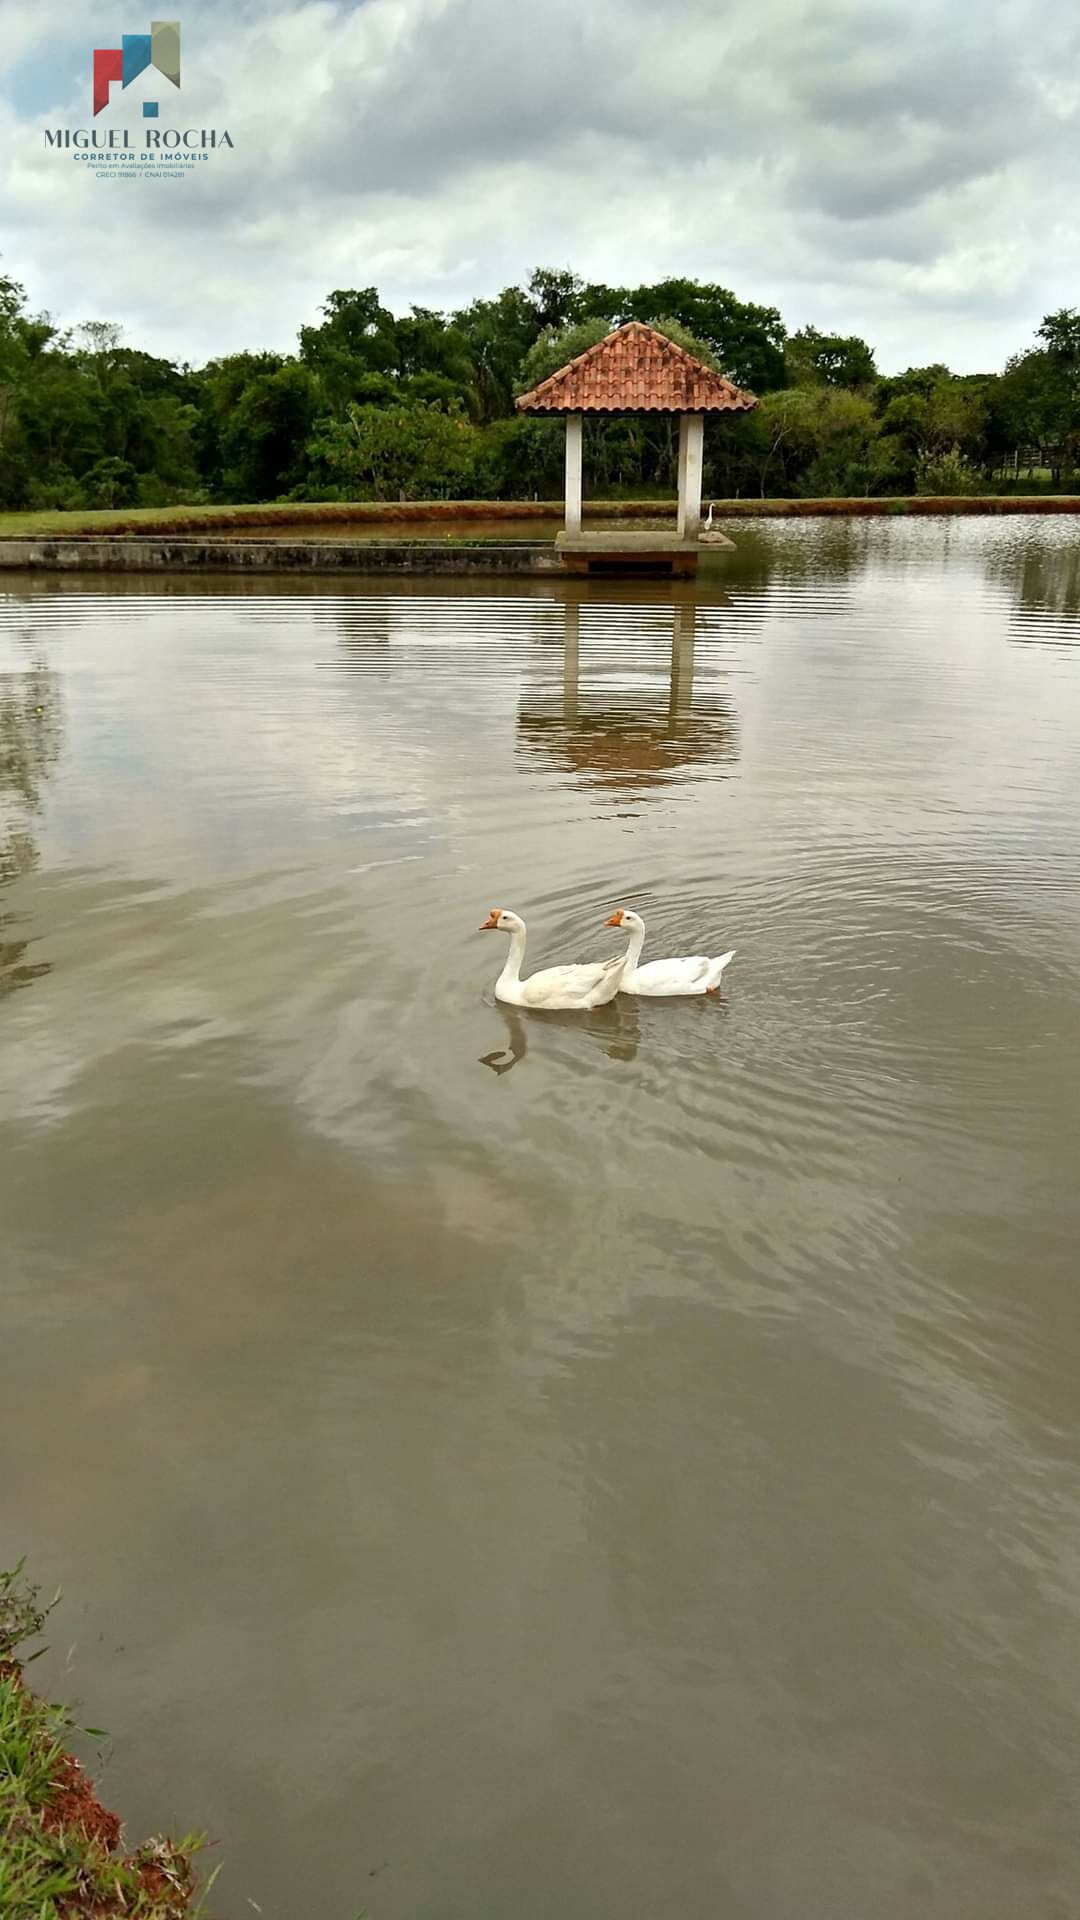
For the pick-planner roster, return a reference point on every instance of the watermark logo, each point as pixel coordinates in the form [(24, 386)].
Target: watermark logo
[(121, 151), (159, 48)]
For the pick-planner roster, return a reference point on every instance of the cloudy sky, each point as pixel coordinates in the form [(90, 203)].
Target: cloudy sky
[(905, 169)]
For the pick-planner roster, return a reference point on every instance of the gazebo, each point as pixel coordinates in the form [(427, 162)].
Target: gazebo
[(635, 369)]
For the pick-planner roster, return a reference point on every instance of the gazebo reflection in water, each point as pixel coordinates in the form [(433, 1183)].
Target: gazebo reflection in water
[(616, 719)]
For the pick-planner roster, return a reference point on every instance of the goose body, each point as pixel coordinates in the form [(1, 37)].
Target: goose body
[(665, 979), (591, 985)]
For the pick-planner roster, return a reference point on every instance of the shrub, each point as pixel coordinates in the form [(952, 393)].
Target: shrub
[(947, 473), (396, 453)]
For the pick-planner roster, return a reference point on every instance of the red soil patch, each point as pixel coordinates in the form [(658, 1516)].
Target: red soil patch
[(162, 1877), (373, 513), (156, 1872), (388, 513), (75, 1807), (168, 1891)]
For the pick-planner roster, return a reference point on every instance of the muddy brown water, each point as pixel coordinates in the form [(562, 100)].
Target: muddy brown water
[(614, 1465)]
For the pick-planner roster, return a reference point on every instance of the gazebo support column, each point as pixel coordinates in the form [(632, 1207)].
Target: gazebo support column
[(573, 473), (691, 462)]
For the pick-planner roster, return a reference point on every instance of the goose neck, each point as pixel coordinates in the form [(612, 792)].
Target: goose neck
[(515, 956)]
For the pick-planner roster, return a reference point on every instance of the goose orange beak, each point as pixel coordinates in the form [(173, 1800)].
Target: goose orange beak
[(492, 922), (615, 920)]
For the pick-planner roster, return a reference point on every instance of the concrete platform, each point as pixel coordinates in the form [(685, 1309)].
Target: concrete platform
[(653, 552), (154, 554), (649, 552)]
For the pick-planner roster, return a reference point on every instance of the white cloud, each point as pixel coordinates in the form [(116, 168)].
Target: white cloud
[(901, 170)]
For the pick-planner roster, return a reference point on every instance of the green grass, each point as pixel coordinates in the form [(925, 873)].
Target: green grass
[(58, 1872), (22, 526)]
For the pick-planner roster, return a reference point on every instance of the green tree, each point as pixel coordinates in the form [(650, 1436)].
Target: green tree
[(85, 419), (395, 453), (931, 412), (144, 415), (24, 340), (497, 335), (362, 354), (110, 483), (1033, 400), (817, 441), (1060, 334), (745, 341), (256, 412), (828, 359), (433, 363), (555, 296), (356, 338), (947, 472), (520, 459)]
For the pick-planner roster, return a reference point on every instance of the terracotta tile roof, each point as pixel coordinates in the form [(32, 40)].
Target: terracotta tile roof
[(636, 370)]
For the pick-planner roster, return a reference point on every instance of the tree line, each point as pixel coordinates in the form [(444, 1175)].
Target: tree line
[(378, 406)]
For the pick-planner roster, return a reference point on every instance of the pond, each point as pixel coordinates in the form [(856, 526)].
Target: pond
[(606, 1464)]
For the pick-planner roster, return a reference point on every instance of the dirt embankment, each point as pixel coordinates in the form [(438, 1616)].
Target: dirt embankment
[(66, 1845), (374, 514)]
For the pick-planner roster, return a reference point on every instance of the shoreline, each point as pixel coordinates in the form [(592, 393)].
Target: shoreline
[(64, 1850), (75, 1844), (213, 544), (150, 521)]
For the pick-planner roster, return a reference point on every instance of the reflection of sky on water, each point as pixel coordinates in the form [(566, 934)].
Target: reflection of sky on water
[(252, 728)]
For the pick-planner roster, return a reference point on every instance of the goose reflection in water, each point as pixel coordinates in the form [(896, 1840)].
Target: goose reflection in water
[(617, 1028), (625, 729)]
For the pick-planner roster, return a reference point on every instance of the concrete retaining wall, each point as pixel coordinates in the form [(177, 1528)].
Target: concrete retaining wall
[(159, 555)]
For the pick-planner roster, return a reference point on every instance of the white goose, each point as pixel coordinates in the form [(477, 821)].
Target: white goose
[(591, 985), (665, 978)]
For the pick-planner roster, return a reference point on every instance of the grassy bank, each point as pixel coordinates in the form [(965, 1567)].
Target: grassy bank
[(204, 519), (61, 1854), (22, 526)]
